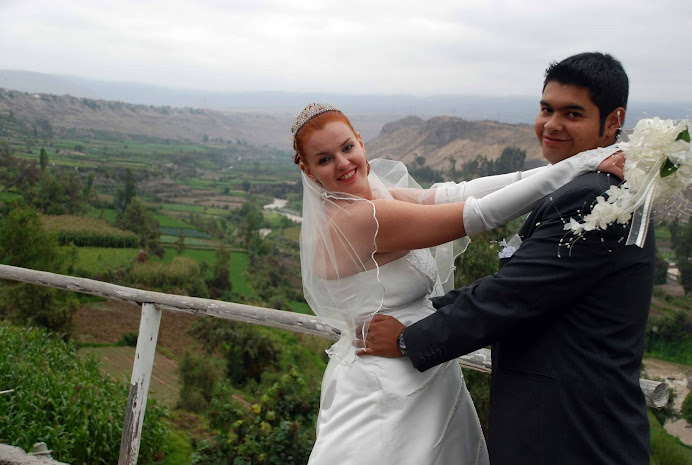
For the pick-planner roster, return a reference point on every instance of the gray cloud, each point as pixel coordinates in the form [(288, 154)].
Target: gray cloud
[(415, 47)]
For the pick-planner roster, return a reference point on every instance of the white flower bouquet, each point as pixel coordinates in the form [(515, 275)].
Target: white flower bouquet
[(658, 166)]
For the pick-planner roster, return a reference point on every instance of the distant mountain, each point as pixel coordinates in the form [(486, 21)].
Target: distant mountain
[(386, 108), (437, 139), (177, 123), (385, 122)]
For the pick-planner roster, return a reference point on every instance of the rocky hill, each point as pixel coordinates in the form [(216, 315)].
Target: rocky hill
[(166, 122), (156, 121), (438, 139), (443, 138)]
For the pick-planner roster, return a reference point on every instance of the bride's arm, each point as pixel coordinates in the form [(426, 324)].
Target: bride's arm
[(448, 192), (406, 226)]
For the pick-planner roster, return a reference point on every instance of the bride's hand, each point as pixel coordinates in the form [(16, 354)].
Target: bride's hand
[(382, 335), (614, 164)]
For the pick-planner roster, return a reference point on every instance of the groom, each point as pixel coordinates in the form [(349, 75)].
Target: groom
[(565, 315)]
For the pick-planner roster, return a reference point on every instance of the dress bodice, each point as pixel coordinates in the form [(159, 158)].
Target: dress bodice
[(402, 290)]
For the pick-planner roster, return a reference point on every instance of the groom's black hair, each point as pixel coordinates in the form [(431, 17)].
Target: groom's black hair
[(602, 74)]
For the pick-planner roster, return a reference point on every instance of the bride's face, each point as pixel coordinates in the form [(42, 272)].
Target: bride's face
[(335, 157)]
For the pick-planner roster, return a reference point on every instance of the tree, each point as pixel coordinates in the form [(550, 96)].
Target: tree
[(683, 251), (124, 195), (43, 159), (221, 280), (89, 186), (198, 375), (481, 256), (252, 219), (661, 273), (139, 219), (58, 194), (511, 159), (180, 242), (248, 350), (25, 243)]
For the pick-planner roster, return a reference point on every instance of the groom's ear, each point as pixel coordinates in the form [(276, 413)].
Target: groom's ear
[(613, 122)]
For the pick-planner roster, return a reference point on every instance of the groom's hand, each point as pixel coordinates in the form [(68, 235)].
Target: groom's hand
[(614, 164), (382, 335)]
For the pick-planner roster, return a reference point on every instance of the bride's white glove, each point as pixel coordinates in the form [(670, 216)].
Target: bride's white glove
[(449, 192), (512, 201)]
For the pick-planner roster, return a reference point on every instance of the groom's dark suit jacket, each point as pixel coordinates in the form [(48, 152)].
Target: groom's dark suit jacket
[(566, 319)]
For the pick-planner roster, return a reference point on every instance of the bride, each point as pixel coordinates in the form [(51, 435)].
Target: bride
[(372, 242)]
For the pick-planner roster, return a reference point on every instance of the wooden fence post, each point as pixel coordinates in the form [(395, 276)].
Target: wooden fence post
[(139, 385)]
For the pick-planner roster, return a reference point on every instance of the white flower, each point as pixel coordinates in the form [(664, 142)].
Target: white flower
[(508, 248), (658, 166)]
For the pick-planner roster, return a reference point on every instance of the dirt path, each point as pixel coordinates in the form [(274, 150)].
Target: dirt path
[(675, 375)]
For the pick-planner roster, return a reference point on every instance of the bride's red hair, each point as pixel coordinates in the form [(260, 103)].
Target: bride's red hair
[(316, 123)]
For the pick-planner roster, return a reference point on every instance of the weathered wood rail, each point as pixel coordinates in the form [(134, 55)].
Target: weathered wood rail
[(152, 303)]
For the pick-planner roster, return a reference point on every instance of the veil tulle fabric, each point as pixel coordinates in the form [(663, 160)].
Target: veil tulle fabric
[(338, 252)]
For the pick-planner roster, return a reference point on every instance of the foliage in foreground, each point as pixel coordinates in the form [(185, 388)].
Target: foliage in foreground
[(669, 337), (277, 429), (24, 242), (65, 402), (686, 410), (666, 449)]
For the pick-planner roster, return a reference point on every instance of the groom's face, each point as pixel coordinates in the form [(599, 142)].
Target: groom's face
[(568, 122)]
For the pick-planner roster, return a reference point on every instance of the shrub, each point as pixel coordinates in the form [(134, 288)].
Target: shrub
[(26, 243), (478, 384), (670, 337), (129, 339), (198, 376), (686, 410), (665, 449), (63, 401), (277, 429), (248, 350)]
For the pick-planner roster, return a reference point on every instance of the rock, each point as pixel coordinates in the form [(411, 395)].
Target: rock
[(10, 455)]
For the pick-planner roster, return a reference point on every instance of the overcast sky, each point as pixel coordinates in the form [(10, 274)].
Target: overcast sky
[(424, 47)]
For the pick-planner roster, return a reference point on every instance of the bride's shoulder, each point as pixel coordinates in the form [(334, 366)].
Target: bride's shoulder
[(348, 211)]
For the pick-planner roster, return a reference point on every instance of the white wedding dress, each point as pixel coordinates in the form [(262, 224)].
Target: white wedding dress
[(382, 410)]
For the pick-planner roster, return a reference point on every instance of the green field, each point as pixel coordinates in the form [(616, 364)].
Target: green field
[(300, 307), (9, 197), (92, 261), (239, 270), (190, 242), (107, 214), (208, 256), (239, 267), (186, 208), (167, 221)]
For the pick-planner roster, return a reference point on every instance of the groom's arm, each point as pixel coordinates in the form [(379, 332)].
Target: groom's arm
[(542, 277), (551, 272)]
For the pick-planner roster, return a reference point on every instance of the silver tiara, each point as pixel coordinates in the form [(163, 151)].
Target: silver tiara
[(310, 112)]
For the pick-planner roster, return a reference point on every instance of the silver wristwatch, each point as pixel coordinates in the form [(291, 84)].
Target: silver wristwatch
[(401, 343)]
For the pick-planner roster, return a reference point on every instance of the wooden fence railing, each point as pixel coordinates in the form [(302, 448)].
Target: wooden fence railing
[(152, 303)]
